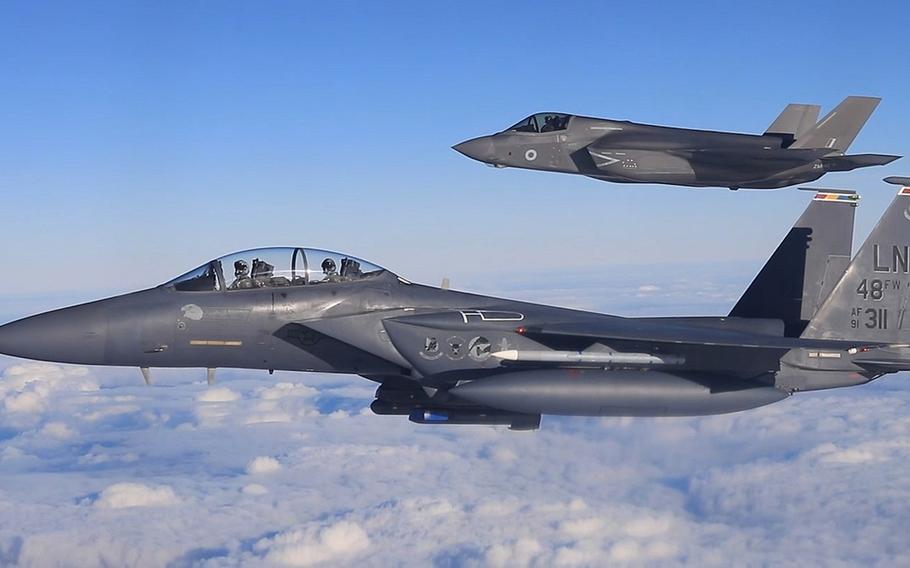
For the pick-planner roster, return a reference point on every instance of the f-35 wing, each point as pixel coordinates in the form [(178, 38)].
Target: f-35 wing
[(750, 157), (782, 158), (615, 159)]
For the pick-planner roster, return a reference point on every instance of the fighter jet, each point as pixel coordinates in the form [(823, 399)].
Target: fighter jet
[(794, 150), (812, 319)]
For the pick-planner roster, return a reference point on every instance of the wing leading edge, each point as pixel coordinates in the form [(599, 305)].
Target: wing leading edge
[(628, 329)]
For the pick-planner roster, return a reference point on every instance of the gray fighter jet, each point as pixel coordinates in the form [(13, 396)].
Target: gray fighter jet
[(795, 149), (812, 319)]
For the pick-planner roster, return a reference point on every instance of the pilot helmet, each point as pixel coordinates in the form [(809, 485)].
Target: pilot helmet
[(241, 267), (328, 265)]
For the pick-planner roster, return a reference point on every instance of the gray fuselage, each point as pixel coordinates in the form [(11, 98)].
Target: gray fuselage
[(628, 152)]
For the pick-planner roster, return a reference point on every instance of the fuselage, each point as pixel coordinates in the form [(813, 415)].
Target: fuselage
[(436, 352), (629, 152), (377, 327)]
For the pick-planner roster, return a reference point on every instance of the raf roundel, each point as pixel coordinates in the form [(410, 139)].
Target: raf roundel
[(531, 155)]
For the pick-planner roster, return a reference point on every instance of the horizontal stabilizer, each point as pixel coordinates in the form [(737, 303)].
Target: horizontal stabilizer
[(853, 161), (883, 365)]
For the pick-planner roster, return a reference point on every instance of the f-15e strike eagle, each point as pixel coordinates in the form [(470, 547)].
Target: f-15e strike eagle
[(812, 319), (795, 149)]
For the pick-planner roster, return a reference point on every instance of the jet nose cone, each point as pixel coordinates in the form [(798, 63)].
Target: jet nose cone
[(72, 335), (480, 149)]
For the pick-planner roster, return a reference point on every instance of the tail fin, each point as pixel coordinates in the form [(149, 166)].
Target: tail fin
[(840, 126), (870, 301), (793, 122), (806, 265)]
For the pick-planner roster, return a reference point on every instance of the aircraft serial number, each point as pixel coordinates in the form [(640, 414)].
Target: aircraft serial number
[(870, 318)]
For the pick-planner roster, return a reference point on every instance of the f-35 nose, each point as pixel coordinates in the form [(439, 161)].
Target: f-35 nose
[(480, 149), (71, 335)]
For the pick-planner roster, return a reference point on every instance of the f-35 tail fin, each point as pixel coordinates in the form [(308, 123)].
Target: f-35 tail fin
[(793, 122), (806, 265), (839, 128), (871, 300)]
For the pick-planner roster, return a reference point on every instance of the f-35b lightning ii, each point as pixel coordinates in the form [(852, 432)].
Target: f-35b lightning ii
[(812, 319), (794, 150)]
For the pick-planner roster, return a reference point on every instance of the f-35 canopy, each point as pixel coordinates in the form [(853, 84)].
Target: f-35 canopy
[(274, 268), (542, 122)]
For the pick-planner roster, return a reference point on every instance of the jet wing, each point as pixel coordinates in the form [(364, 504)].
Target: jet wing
[(620, 158), (628, 329), (729, 157)]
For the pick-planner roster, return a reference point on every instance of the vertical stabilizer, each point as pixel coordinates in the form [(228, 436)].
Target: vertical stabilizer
[(806, 265), (793, 122), (870, 301), (839, 128)]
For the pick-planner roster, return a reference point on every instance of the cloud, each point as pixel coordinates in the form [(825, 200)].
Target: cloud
[(58, 430), (24, 402), (284, 390), (255, 489), (517, 553), (125, 495), (620, 490), (29, 388), (219, 394), (263, 464), (342, 541)]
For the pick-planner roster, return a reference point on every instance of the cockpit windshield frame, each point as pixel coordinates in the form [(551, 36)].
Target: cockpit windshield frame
[(541, 123), (278, 267)]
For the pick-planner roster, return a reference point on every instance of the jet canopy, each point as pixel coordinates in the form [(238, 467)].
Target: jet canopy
[(542, 122), (274, 268)]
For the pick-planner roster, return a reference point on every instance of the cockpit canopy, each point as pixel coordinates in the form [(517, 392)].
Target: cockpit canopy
[(274, 268), (542, 122)]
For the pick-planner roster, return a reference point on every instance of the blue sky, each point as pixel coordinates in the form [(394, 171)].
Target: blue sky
[(140, 139)]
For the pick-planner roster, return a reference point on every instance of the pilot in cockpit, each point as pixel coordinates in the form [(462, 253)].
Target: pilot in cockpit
[(330, 271), (242, 280), (551, 124)]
